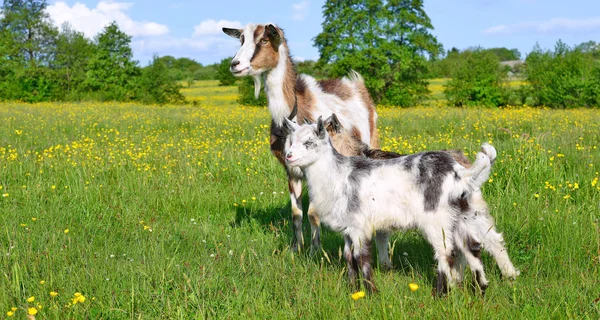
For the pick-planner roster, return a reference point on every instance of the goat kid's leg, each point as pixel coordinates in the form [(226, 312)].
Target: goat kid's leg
[(471, 248), (481, 224), (440, 237), (315, 229), (362, 254), (383, 251), (494, 243), (295, 187), (351, 262)]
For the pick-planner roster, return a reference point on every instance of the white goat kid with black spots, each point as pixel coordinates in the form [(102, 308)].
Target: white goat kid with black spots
[(429, 191), (264, 53)]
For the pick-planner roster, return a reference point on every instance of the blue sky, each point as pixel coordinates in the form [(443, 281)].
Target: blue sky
[(192, 28)]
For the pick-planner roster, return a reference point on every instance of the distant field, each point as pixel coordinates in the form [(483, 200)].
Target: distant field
[(209, 93), (436, 86), (179, 212)]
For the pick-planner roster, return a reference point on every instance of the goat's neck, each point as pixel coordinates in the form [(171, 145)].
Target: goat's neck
[(321, 173), (280, 86)]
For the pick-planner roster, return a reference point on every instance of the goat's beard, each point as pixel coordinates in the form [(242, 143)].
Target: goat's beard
[(257, 83)]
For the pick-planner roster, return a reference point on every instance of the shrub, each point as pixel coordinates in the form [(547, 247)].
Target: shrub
[(565, 78), (246, 93), (477, 79)]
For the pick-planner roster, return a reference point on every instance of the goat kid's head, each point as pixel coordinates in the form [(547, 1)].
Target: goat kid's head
[(304, 143), (259, 51)]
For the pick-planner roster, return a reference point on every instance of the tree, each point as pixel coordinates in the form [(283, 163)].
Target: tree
[(505, 54), (387, 41), (31, 31), (224, 75), (565, 78), (476, 80), (73, 54), (112, 72), (157, 86)]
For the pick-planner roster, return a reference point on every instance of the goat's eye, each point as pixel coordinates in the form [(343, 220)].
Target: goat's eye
[(309, 143), (264, 41)]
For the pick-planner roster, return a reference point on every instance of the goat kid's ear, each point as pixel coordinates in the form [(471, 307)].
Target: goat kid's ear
[(321, 132), (334, 123), (234, 33), (274, 36)]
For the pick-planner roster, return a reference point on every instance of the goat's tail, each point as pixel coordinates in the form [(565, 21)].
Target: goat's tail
[(355, 76), (480, 171)]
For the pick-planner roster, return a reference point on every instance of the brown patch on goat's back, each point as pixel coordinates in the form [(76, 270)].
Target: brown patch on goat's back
[(368, 102), (306, 102), (356, 133), (460, 157), (336, 87), (345, 143)]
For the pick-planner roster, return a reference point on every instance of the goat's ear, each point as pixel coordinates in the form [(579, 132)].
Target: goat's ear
[(274, 36), (290, 125), (334, 123), (234, 33), (321, 132)]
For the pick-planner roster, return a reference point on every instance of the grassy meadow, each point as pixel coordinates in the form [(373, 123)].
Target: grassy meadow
[(124, 211)]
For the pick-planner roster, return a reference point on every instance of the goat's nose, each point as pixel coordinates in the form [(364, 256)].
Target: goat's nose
[(289, 155), (235, 63)]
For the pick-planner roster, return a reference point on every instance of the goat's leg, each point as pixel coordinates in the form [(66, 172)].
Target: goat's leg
[(481, 223), (362, 254), (351, 262), (471, 248), (315, 229), (440, 238), (494, 243), (295, 187), (383, 252)]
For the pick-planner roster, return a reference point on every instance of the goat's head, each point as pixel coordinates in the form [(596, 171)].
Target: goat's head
[(304, 144), (259, 51)]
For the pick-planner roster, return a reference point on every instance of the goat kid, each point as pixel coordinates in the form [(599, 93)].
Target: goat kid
[(487, 237), (264, 53), (430, 191)]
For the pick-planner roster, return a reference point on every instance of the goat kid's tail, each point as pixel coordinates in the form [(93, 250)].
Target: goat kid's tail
[(480, 171)]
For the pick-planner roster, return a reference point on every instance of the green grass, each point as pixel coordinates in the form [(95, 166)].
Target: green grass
[(182, 212)]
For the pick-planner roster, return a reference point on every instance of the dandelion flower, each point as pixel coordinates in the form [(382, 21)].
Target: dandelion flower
[(358, 295), (42, 281), (66, 231), (53, 294), (32, 311), (5, 195), (10, 313), (413, 287), (31, 299), (33, 219)]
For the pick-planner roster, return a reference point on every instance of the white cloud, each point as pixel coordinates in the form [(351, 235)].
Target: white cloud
[(213, 27), (92, 21), (300, 10), (555, 25)]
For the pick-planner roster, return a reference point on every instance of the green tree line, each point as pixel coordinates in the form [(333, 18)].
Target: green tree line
[(39, 62)]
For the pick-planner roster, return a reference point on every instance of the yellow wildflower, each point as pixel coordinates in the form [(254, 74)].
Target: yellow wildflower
[(31, 299), (32, 311), (42, 281), (10, 313), (53, 294), (413, 287), (358, 295), (66, 231)]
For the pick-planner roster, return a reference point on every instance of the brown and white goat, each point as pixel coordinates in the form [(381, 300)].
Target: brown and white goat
[(264, 53)]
